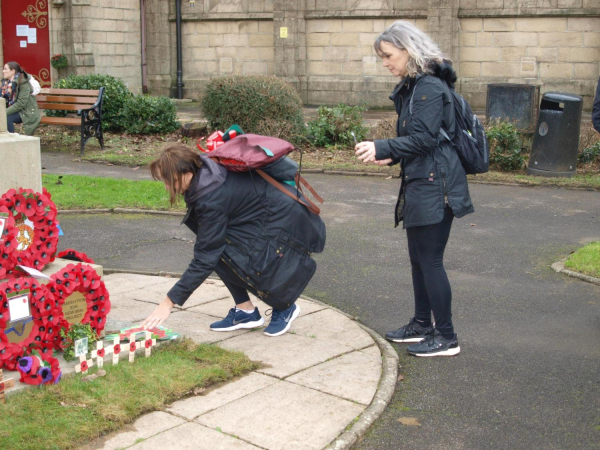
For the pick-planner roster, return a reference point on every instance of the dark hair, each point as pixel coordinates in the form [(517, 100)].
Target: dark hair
[(14, 66), (172, 164)]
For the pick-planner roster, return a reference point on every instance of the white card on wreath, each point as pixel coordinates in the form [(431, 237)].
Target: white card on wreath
[(3, 218), (18, 308), (34, 272)]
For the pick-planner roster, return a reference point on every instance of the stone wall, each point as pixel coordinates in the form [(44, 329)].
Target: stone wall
[(556, 53), (327, 53), (99, 36)]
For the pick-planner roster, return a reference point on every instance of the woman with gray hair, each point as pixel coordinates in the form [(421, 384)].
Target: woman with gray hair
[(434, 186)]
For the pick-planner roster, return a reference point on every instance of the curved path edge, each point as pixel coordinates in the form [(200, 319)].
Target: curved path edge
[(559, 267)]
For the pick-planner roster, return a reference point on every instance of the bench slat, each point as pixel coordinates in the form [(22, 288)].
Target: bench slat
[(65, 99), (69, 121), (62, 106), (77, 92)]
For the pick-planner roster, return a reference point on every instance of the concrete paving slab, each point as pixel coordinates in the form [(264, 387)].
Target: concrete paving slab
[(193, 436), (129, 310), (339, 377), (156, 293), (373, 350), (333, 327), (118, 283), (197, 327), (290, 417), (192, 407), (287, 354), (143, 428)]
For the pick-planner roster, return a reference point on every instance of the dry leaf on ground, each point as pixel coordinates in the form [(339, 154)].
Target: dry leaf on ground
[(410, 421)]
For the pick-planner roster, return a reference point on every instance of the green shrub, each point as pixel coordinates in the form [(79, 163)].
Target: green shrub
[(116, 95), (250, 100), (589, 154), (150, 115), (505, 146), (334, 126)]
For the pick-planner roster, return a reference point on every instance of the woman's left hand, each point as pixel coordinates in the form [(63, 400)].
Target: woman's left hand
[(365, 151)]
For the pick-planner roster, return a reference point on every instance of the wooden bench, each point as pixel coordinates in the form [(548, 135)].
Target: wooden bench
[(87, 103)]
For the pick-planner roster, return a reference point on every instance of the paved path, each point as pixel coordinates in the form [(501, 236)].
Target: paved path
[(527, 376), (315, 381)]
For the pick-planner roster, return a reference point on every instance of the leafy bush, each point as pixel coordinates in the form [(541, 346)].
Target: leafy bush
[(334, 125), (150, 115), (116, 95), (589, 154), (505, 146), (250, 100)]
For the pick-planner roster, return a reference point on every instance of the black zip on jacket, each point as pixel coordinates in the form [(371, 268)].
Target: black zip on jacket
[(432, 175)]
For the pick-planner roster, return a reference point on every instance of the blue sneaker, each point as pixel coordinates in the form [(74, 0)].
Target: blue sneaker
[(238, 319), (282, 320)]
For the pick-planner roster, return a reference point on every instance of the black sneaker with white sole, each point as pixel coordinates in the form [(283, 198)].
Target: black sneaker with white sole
[(413, 332), (435, 344)]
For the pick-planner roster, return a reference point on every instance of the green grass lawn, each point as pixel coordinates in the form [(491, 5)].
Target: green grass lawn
[(73, 412), (81, 192), (586, 260)]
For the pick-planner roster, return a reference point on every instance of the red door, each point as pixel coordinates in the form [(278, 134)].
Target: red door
[(26, 37)]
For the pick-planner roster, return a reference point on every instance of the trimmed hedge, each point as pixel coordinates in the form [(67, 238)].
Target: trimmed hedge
[(150, 115), (249, 101)]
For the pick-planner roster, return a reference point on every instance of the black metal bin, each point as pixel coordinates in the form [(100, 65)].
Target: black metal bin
[(556, 139)]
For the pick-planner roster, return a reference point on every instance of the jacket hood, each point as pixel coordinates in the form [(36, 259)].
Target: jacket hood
[(210, 177), (445, 72)]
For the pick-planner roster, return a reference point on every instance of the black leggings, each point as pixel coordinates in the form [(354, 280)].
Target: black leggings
[(11, 120), (237, 287), (426, 247)]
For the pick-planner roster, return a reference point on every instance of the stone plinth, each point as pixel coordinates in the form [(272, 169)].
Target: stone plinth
[(21, 162)]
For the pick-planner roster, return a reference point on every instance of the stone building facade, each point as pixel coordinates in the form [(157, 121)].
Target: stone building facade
[(324, 47)]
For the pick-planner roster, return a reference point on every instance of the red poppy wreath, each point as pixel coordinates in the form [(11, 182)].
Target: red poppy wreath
[(23, 301), (84, 279), (8, 240), (36, 227)]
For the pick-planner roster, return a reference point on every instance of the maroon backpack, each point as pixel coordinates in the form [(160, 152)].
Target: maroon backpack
[(248, 152)]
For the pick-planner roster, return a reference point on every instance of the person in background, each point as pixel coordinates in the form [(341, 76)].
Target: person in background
[(434, 184), (21, 106), (596, 109)]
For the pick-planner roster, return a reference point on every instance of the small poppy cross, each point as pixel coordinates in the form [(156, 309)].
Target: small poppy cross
[(84, 364), (99, 354), (149, 343), (115, 349), (133, 346), (5, 384)]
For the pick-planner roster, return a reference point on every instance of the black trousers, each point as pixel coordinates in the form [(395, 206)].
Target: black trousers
[(432, 290), (11, 120), (237, 287)]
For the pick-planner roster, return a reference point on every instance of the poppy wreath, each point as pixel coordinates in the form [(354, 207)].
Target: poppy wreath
[(45, 316), (74, 255), (8, 241), (35, 369), (36, 227), (80, 278)]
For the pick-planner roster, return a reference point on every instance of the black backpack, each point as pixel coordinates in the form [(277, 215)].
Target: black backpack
[(470, 141)]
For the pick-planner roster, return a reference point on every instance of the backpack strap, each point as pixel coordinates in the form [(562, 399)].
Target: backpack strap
[(311, 206)]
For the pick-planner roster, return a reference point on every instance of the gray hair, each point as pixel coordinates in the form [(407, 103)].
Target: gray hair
[(420, 47)]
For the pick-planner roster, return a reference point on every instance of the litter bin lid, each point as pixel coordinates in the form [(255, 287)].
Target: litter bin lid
[(561, 97)]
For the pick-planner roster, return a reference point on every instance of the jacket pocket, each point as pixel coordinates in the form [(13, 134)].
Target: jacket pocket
[(282, 270), (423, 192)]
